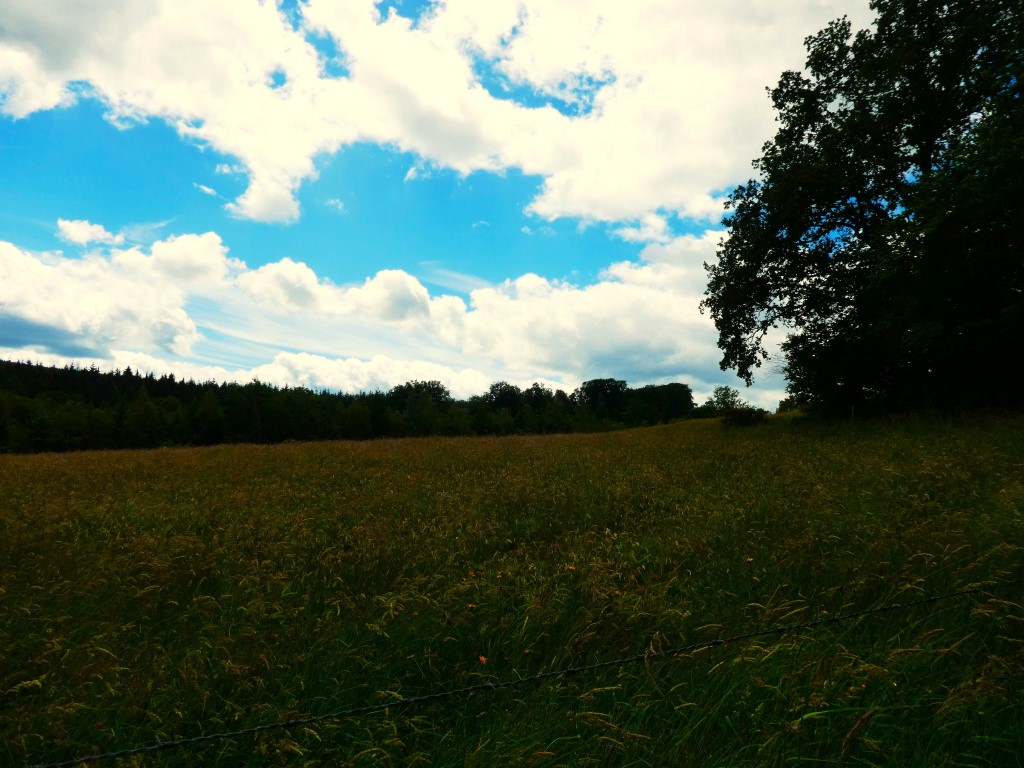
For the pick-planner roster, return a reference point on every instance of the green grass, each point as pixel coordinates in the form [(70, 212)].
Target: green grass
[(150, 596)]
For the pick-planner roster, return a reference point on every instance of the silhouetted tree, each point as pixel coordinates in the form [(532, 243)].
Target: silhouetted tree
[(434, 391), (655, 403), (503, 395), (886, 228), (457, 421), (555, 417), (142, 424), (605, 398), (207, 421), (537, 396)]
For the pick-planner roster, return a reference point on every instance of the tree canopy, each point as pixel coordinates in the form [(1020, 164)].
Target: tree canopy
[(885, 230), (45, 409)]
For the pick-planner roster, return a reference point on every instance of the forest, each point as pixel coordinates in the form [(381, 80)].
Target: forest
[(62, 409)]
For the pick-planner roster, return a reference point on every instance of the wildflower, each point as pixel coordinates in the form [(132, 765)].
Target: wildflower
[(483, 659)]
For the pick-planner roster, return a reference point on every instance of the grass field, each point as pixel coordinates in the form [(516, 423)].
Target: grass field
[(157, 595)]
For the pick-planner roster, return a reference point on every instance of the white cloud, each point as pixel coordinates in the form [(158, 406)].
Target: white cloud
[(189, 262), (81, 232), (336, 204), (187, 302), (651, 229), (205, 189), (379, 372), (419, 171), (545, 230), (24, 85), (392, 295), (666, 102), (203, 67), (88, 300), (302, 369), (287, 285), (632, 320)]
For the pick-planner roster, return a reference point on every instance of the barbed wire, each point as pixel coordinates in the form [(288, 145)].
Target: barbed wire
[(781, 629)]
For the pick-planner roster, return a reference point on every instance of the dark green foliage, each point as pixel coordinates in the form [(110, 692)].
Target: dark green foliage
[(886, 230), (734, 411), (660, 403), (504, 396), (425, 391), (723, 400), (207, 421), (606, 398), (744, 417), (64, 409), (142, 422), (537, 396), (789, 404)]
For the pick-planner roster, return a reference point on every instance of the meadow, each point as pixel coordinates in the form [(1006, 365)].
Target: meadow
[(156, 595)]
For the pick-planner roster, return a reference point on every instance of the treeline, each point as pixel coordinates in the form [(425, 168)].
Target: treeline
[(63, 409)]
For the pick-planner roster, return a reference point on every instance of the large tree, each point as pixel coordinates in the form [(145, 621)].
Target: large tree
[(885, 229)]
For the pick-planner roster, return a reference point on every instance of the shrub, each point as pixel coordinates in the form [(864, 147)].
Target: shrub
[(744, 417)]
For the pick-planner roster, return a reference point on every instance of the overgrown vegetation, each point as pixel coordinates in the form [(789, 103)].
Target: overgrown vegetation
[(159, 594)]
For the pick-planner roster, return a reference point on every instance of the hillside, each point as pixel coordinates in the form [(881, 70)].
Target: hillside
[(157, 595)]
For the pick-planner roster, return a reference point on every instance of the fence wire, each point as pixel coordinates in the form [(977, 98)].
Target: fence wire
[(781, 629)]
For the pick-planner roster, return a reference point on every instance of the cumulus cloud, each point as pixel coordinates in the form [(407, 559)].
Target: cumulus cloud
[(378, 373), (90, 301), (81, 232), (287, 285), (392, 295), (205, 68), (302, 369), (185, 302), (188, 262), (635, 319), (634, 108), (651, 229), (25, 86)]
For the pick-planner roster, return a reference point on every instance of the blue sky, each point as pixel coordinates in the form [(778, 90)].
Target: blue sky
[(353, 195)]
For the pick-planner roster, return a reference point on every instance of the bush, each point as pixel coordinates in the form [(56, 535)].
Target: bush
[(744, 417)]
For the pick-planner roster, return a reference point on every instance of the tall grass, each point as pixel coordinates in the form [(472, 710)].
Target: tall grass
[(157, 595)]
